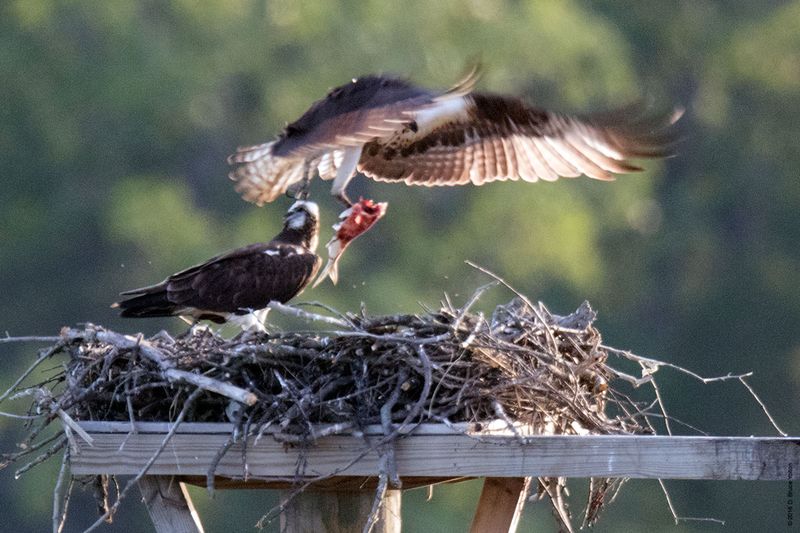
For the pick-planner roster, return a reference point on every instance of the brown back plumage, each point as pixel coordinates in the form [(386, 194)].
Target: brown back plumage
[(236, 282)]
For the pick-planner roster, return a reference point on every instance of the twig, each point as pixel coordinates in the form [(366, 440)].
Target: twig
[(394, 338), (342, 316), (652, 366), (42, 356), (210, 480), (293, 311), (679, 519), (131, 482), (220, 387), (661, 406), (58, 515), (70, 424), (472, 301), (173, 374), (51, 451), (548, 333), (763, 407), (380, 496), (30, 338)]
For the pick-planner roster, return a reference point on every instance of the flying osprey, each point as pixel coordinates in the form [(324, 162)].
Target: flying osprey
[(238, 285), (391, 130)]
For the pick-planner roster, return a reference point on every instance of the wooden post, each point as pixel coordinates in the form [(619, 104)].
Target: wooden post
[(169, 505), (501, 504), (338, 512)]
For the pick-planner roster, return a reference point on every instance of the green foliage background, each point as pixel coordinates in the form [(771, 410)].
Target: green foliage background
[(116, 118)]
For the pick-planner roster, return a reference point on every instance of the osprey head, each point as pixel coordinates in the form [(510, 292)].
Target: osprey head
[(303, 217), (301, 213)]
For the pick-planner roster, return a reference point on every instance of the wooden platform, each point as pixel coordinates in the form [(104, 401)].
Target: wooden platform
[(432, 454), (436, 452)]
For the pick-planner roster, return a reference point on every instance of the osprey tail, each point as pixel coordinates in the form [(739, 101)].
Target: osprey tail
[(154, 302)]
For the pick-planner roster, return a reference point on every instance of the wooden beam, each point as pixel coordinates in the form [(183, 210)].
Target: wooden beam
[(169, 505), (448, 454), (336, 483), (338, 512), (500, 505)]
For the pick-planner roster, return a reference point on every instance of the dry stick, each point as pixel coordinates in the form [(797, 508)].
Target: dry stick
[(20, 417), (427, 374), (652, 366), (210, 481), (131, 417), (343, 317), (65, 506), (30, 448), (684, 518), (277, 510), (557, 503), (43, 457), (173, 374), (636, 382), (393, 338), (388, 465), (763, 407), (62, 473), (548, 333), (474, 332), (380, 495), (113, 509), (44, 355), (670, 505), (661, 406), (472, 301), (30, 338), (299, 313), (220, 387)]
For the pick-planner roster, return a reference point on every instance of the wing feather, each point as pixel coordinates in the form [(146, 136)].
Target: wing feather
[(499, 138), (372, 107)]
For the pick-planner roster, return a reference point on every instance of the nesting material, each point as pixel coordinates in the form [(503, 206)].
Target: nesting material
[(521, 365)]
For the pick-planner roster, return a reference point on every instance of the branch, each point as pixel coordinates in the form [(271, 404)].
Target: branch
[(299, 313), (167, 366), (131, 482)]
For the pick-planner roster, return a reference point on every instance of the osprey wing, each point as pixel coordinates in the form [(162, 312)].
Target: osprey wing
[(371, 107), (499, 138), (248, 278)]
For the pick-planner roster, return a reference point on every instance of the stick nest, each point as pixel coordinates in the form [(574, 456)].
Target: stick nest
[(521, 365), (537, 368)]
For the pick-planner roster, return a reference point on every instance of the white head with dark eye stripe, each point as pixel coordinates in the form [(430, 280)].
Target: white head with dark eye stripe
[(303, 218)]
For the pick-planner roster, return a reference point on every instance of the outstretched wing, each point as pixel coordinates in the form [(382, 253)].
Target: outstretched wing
[(494, 137), (371, 107)]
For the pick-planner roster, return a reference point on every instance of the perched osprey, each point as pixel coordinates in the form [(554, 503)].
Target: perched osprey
[(238, 285), (391, 130)]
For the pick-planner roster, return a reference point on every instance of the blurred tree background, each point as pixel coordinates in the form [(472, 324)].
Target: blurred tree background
[(117, 116)]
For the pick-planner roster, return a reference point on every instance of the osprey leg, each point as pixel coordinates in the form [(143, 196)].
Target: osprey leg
[(346, 172)]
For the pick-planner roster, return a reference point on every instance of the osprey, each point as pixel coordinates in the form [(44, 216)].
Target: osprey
[(391, 130), (237, 286)]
